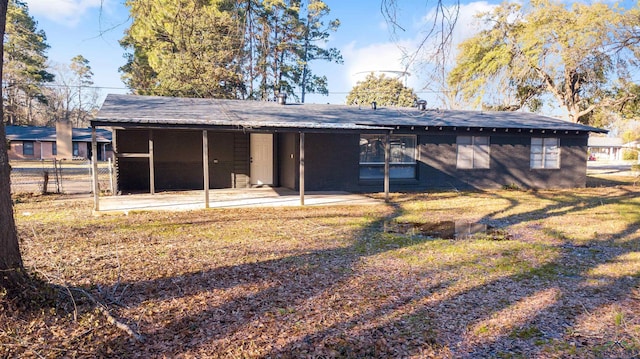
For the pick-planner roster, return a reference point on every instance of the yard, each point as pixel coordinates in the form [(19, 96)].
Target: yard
[(561, 280)]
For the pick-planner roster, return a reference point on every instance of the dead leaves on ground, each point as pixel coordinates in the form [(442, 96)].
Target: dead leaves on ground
[(328, 282)]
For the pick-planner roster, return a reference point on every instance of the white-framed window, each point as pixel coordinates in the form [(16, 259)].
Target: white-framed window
[(27, 148), (545, 152), (473, 152), (402, 160)]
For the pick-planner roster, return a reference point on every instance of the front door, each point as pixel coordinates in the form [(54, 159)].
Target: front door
[(261, 159)]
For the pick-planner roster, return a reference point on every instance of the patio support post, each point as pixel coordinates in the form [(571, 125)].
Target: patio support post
[(152, 179), (94, 163), (205, 166), (387, 155), (114, 174), (302, 168)]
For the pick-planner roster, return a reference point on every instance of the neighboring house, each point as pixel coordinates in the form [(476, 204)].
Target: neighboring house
[(45, 143), (164, 143), (606, 148)]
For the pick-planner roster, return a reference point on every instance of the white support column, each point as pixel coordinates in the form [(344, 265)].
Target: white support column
[(94, 163), (387, 155), (302, 168), (205, 166), (152, 178)]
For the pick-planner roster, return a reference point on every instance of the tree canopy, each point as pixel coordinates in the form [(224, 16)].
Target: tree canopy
[(72, 98), (574, 54), (383, 90), (25, 65), (182, 48), (227, 49)]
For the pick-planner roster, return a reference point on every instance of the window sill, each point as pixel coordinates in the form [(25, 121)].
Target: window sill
[(391, 180)]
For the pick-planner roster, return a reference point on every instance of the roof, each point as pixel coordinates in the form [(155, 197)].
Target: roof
[(48, 134), (598, 141), (152, 111)]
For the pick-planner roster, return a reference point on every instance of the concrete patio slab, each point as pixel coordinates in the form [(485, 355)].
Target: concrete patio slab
[(252, 197)]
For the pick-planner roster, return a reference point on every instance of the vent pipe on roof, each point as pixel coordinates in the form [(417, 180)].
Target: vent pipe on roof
[(282, 98), (422, 105), (374, 105)]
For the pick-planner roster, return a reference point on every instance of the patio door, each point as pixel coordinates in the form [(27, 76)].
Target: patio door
[(261, 159)]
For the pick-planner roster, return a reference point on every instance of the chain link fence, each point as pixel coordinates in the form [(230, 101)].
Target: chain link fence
[(60, 176)]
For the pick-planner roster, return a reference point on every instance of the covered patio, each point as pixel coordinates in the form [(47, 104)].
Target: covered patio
[(228, 198)]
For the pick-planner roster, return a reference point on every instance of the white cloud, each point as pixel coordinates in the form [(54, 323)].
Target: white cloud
[(68, 12), (390, 55), (385, 58)]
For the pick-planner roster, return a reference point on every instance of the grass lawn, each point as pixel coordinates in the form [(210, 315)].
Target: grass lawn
[(330, 282)]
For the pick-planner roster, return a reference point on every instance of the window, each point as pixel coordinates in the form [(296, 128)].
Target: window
[(76, 149), (54, 148), (473, 152), (545, 152), (402, 160), (27, 148)]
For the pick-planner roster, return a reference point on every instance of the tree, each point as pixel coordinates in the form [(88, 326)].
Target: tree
[(570, 53), (10, 258), (183, 48), (382, 90), (282, 38), (72, 98), (87, 97), (226, 49), (314, 31), (24, 69)]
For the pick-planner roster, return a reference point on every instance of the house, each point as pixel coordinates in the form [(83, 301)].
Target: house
[(164, 143), (61, 142), (606, 148)]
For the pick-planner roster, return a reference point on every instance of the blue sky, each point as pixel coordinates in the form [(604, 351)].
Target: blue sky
[(92, 28)]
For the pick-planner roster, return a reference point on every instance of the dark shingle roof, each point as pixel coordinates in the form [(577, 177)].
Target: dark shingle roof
[(131, 110), (48, 134)]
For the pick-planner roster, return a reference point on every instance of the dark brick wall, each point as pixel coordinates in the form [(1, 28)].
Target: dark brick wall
[(287, 159), (332, 161), (178, 160)]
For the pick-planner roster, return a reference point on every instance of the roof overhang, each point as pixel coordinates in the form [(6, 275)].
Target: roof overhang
[(131, 111)]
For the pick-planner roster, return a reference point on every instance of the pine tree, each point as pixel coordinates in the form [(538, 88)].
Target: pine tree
[(24, 69), (252, 49), (183, 48)]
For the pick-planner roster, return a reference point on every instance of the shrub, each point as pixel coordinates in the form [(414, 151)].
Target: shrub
[(629, 155)]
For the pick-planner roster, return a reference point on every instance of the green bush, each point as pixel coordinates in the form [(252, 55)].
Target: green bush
[(629, 155)]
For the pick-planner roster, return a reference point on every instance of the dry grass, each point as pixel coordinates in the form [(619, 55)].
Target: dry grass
[(328, 282)]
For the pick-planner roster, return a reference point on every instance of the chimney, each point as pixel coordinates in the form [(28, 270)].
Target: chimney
[(422, 105), (64, 140), (282, 98)]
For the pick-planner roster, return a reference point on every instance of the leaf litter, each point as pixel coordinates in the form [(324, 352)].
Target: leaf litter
[(328, 282)]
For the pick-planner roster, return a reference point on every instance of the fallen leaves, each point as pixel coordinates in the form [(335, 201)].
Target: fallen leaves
[(328, 282)]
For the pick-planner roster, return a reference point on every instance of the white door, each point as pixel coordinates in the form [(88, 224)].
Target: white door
[(261, 159)]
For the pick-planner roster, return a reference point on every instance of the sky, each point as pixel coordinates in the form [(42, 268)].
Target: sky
[(92, 28)]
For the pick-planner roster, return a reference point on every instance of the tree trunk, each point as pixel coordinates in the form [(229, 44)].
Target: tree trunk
[(10, 259)]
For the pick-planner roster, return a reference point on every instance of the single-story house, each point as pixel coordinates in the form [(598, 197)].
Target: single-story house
[(47, 143), (606, 148), (164, 143)]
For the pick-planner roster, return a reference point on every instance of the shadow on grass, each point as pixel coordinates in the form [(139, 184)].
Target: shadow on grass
[(455, 326), (425, 320), (610, 181)]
